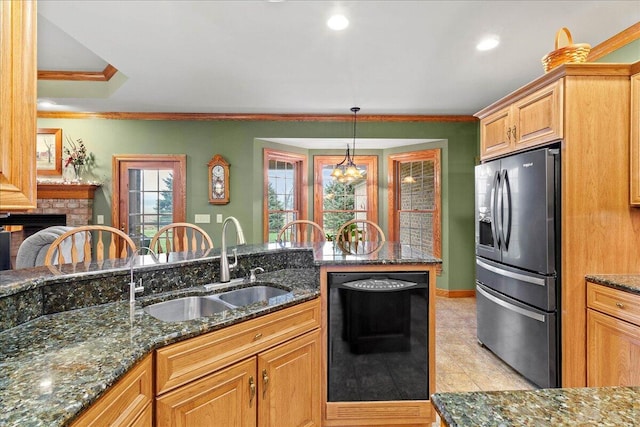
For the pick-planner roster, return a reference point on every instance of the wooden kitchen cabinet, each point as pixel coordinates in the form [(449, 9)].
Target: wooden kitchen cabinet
[(533, 120), (635, 141), (18, 76), (261, 372), (613, 337), (128, 403)]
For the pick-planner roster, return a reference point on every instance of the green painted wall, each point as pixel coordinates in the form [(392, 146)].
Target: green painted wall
[(241, 144), (627, 54)]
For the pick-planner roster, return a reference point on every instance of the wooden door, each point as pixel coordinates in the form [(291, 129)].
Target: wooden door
[(613, 351), (227, 398), (149, 192), (290, 384)]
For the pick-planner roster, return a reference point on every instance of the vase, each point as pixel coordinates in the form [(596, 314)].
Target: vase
[(77, 171)]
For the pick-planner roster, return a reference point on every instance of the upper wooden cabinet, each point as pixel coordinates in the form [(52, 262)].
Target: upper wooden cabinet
[(635, 140), (18, 76), (532, 120)]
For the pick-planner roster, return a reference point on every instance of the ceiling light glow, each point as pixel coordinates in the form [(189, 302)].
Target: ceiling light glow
[(488, 43), (338, 22), (45, 103)]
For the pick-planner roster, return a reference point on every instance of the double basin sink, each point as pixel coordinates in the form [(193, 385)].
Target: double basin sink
[(195, 307)]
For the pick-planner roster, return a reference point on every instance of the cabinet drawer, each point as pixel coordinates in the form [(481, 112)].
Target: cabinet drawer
[(616, 303), (185, 361), (124, 403)]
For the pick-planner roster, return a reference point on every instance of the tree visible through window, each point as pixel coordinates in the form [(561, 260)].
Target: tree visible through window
[(285, 194)]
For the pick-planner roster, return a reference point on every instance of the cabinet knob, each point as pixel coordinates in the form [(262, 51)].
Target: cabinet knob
[(257, 336), (619, 305)]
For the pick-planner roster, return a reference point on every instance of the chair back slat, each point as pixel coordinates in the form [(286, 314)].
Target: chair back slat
[(301, 231), (180, 237)]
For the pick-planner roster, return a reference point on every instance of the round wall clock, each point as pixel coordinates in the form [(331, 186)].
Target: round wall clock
[(218, 180)]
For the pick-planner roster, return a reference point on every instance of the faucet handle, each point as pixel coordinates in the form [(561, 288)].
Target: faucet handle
[(252, 276)]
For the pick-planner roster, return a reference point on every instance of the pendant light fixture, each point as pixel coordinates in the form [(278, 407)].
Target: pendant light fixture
[(346, 170)]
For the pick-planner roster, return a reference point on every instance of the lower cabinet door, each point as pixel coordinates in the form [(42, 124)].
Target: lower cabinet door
[(290, 386), (613, 351), (226, 398)]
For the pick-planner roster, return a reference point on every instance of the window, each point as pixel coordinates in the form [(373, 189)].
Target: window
[(414, 200), (149, 193), (336, 203), (285, 191)]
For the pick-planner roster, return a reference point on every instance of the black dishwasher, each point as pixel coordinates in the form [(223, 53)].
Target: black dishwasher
[(378, 336)]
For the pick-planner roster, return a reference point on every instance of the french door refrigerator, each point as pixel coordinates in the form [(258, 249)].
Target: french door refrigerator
[(517, 262)]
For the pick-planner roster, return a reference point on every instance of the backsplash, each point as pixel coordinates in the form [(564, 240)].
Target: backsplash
[(48, 294)]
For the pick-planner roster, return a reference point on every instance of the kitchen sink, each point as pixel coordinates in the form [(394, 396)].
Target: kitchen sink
[(245, 296), (186, 308)]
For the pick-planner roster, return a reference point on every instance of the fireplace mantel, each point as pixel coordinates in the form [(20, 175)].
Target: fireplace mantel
[(66, 191)]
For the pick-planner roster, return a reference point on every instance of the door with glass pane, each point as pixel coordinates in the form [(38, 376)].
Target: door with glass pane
[(149, 193), (414, 200)]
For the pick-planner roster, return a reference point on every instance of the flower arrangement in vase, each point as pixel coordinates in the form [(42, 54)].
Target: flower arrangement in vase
[(77, 156)]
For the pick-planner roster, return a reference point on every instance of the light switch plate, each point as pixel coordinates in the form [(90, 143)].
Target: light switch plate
[(202, 219), (219, 218), (99, 219)]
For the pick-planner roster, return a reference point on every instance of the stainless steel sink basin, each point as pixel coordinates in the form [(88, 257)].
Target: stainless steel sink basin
[(253, 294), (187, 308)]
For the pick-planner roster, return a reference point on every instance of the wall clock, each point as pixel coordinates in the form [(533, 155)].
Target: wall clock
[(218, 180)]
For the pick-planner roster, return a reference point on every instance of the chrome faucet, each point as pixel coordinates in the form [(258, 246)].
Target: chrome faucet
[(133, 286), (225, 268)]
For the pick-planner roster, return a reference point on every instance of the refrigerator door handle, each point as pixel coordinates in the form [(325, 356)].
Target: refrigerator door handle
[(531, 314), (506, 237), (521, 277), (494, 209)]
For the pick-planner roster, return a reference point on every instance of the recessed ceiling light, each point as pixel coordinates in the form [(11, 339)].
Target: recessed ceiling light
[(338, 22), (488, 43)]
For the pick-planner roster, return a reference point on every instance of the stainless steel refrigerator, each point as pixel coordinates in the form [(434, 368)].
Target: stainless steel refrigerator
[(517, 262)]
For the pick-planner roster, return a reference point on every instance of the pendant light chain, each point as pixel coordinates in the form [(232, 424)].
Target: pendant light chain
[(346, 170)]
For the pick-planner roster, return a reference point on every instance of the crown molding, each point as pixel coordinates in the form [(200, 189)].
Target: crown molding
[(619, 40)]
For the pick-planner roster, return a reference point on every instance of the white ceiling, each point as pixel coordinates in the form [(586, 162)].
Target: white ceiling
[(396, 57)]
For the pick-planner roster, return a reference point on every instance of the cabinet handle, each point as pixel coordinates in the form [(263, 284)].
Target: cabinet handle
[(265, 382), (515, 138), (509, 134), (252, 390), (619, 305), (257, 336)]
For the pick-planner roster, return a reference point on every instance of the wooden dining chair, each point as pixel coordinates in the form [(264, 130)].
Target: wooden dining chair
[(360, 230), (89, 243), (180, 237), (301, 231)]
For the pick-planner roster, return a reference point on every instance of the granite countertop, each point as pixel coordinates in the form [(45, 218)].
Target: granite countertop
[(606, 406), (624, 282), (53, 367)]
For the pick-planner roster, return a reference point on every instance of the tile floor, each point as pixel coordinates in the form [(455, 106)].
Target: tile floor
[(461, 363)]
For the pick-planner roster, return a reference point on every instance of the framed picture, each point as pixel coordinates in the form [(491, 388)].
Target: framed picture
[(218, 181), (49, 151)]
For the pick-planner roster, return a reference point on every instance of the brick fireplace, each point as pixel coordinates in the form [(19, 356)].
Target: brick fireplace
[(73, 200)]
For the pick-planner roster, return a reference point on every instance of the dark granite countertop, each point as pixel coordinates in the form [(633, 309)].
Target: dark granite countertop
[(69, 333), (606, 406), (624, 282), (53, 367)]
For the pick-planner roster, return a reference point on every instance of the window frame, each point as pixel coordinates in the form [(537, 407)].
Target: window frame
[(394, 161), (371, 161), (300, 175)]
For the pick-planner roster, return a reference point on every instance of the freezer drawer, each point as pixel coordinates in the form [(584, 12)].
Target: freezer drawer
[(522, 336)]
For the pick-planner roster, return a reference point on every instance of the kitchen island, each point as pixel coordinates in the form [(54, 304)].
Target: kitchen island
[(68, 353)]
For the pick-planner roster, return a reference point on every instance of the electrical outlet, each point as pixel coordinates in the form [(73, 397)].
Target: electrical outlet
[(202, 219), (219, 218), (99, 219)]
